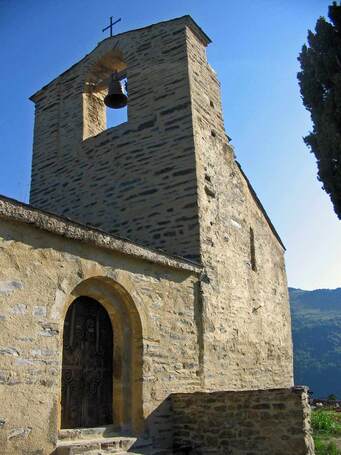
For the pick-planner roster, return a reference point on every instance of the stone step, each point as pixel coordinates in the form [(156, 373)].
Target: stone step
[(88, 433), (142, 452), (91, 450), (87, 444), (80, 446)]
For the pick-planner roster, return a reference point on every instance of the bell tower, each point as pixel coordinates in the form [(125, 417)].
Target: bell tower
[(168, 178), (138, 179)]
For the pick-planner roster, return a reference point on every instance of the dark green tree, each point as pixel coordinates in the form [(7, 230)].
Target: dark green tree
[(320, 84)]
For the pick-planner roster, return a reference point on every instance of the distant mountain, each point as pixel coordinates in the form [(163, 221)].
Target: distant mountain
[(316, 322)]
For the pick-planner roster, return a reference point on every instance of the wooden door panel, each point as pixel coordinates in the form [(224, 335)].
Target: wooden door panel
[(87, 365)]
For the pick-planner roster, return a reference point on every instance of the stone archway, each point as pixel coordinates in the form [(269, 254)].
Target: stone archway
[(127, 408), (87, 371)]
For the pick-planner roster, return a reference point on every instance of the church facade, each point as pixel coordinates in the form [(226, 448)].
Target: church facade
[(143, 295)]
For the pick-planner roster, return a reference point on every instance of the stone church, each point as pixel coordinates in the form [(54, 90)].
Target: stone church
[(143, 294)]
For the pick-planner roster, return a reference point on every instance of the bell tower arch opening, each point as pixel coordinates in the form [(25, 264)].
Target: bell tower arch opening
[(105, 95), (102, 358)]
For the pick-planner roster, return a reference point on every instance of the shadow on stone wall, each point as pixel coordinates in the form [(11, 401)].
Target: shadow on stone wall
[(256, 422)]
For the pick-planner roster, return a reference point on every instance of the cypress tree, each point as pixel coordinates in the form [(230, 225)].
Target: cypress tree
[(320, 85)]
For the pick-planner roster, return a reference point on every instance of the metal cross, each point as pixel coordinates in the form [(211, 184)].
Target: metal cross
[(111, 25)]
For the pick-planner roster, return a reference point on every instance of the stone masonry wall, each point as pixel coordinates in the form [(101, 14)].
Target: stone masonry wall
[(246, 318), (39, 271), (137, 179), (168, 178), (257, 422)]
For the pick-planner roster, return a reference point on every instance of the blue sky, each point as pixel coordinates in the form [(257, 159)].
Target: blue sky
[(254, 51)]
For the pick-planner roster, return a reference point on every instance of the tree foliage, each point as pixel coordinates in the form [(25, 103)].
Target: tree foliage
[(320, 84)]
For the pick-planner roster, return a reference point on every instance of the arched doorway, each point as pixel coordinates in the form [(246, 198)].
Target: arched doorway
[(87, 370)]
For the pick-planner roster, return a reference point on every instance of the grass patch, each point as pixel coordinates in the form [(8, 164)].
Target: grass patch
[(323, 447), (326, 426), (326, 422)]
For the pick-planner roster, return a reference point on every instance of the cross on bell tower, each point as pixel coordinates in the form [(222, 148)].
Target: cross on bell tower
[(110, 26)]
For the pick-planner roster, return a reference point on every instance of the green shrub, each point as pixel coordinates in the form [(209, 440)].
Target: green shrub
[(324, 422), (325, 448)]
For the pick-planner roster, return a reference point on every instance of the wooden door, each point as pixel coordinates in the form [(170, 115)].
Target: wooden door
[(87, 370)]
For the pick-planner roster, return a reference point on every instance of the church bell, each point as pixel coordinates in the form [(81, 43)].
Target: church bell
[(116, 98)]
